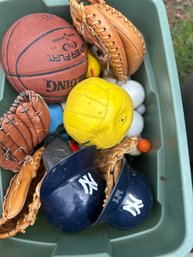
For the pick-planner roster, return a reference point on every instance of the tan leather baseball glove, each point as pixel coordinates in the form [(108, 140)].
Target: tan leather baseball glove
[(22, 199), (120, 44), (22, 128), (109, 162)]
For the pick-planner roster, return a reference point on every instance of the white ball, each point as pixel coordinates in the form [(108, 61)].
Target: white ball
[(63, 104), (109, 79), (136, 92), (141, 109), (134, 152), (137, 125)]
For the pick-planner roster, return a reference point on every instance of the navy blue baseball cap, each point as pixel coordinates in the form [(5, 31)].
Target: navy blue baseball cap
[(130, 201), (72, 192)]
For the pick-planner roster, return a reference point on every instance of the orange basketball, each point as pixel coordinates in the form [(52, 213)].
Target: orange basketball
[(44, 53)]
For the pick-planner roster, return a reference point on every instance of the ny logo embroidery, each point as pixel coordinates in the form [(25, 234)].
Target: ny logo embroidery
[(133, 205), (88, 183)]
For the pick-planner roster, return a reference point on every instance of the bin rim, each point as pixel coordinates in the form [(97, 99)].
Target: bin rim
[(184, 159)]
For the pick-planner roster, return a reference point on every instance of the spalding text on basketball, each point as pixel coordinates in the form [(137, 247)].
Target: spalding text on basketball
[(52, 85)]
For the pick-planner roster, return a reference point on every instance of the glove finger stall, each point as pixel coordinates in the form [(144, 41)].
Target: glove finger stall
[(9, 148), (42, 111), (29, 117), (17, 131)]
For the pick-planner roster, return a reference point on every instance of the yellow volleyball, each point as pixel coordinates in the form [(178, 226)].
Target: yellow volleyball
[(94, 68), (98, 113)]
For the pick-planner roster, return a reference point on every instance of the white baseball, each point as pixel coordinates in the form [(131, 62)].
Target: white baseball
[(136, 92), (137, 125), (134, 152), (109, 79), (141, 109), (63, 104)]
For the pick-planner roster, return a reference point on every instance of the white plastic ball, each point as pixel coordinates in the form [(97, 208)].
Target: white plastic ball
[(141, 109), (109, 79), (137, 125), (136, 91), (63, 104), (134, 152)]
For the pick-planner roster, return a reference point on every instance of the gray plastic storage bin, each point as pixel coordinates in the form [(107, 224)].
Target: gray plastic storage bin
[(168, 230)]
